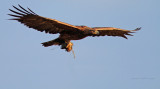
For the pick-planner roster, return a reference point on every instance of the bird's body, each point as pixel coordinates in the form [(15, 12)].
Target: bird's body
[(67, 32)]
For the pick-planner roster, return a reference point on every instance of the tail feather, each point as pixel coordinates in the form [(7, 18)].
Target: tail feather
[(53, 42)]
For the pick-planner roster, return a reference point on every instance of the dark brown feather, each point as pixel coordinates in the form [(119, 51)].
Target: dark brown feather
[(32, 11), (32, 20), (53, 42), (111, 31), (16, 12), (20, 10), (14, 15), (24, 9)]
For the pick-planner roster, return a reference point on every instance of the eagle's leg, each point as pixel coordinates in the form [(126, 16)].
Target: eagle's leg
[(67, 46)]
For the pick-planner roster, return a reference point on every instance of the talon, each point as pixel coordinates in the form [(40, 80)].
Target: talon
[(67, 46), (70, 44)]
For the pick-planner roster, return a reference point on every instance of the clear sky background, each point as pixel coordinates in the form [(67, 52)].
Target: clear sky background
[(101, 63)]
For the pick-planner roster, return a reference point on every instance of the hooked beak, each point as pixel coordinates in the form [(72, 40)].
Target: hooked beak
[(96, 32)]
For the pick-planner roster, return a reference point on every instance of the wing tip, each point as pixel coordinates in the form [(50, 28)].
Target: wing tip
[(22, 10), (137, 29), (13, 19)]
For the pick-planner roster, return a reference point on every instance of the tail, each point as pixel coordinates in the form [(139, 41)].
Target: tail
[(53, 42)]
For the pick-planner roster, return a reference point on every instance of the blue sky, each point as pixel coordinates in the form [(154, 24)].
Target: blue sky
[(101, 63)]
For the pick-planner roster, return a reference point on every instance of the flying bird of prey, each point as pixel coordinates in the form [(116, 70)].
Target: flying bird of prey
[(67, 32)]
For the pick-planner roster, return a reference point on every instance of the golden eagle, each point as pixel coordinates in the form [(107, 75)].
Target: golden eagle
[(67, 32)]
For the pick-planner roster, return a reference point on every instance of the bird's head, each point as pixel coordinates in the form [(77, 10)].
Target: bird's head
[(89, 31), (95, 32)]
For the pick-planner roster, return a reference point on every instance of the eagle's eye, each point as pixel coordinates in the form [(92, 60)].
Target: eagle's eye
[(95, 32)]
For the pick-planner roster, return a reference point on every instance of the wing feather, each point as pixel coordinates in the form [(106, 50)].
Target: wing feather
[(20, 10), (16, 12), (24, 9), (111, 31), (14, 15), (32, 11), (32, 20)]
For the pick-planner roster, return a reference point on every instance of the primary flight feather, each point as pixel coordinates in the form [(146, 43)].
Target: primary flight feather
[(67, 32)]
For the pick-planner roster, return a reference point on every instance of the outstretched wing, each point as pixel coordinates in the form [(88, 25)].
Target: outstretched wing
[(32, 20), (111, 31)]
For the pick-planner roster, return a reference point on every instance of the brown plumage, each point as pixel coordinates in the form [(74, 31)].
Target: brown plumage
[(67, 32)]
